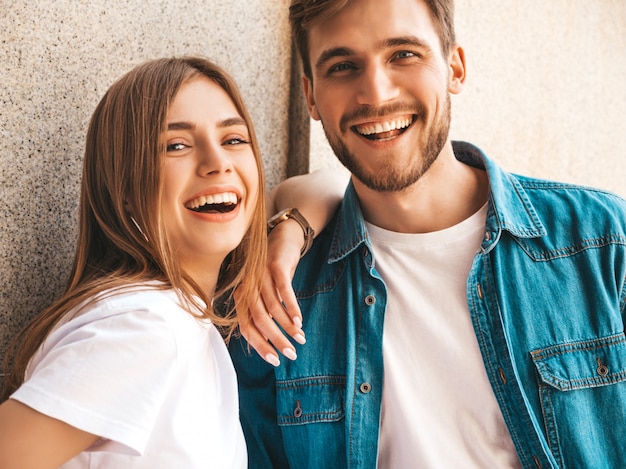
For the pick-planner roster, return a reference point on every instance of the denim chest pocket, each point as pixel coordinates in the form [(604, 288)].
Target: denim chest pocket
[(582, 364), (582, 390), (310, 400)]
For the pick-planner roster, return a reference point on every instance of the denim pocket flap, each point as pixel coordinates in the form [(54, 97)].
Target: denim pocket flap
[(582, 364), (310, 400)]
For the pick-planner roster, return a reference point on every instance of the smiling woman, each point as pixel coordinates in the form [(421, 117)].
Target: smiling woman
[(137, 318), (209, 161)]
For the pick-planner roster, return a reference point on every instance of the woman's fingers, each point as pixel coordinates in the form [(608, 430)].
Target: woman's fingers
[(259, 343), (263, 332), (277, 312)]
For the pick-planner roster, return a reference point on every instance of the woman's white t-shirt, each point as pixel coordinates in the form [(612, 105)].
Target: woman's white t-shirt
[(154, 382)]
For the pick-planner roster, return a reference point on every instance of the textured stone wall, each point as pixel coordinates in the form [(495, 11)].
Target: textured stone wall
[(57, 60)]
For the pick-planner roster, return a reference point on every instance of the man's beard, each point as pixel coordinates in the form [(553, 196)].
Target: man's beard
[(393, 178)]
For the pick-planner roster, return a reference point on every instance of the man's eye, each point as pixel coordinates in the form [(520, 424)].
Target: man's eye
[(405, 54), (176, 146), (340, 67)]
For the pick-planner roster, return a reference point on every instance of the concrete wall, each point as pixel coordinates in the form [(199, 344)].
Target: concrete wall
[(544, 97), (57, 60)]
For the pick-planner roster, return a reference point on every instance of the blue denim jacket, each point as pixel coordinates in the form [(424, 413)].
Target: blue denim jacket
[(546, 295)]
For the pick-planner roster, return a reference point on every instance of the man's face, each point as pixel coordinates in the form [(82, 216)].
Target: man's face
[(381, 89)]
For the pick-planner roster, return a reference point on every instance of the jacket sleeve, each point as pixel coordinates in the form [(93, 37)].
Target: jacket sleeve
[(257, 407)]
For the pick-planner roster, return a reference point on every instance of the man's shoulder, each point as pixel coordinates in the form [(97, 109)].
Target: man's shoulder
[(569, 215), (584, 200)]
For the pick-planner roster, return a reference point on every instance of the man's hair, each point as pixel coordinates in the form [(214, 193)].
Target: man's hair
[(303, 14)]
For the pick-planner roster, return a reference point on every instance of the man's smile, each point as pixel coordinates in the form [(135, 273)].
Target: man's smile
[(384, 129)]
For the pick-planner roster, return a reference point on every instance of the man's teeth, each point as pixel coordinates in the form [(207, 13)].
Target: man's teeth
[(223, 198), (387, 126)]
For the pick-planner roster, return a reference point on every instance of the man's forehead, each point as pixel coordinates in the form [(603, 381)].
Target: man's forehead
[(371, 24)]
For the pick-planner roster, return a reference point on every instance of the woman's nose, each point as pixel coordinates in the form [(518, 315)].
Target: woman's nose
[(213, 159)]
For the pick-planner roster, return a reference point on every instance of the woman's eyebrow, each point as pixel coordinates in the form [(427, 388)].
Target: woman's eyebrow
[(229, 122), (180, 126)]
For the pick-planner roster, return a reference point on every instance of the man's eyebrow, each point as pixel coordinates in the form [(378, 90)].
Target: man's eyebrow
[(229, 122), (405, 41), (330, 54)]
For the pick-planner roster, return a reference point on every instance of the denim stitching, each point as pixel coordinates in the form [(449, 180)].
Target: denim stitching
[(314, 381), (567, 251), (324, 287), (315, 417), (541, 355), (584, 345)]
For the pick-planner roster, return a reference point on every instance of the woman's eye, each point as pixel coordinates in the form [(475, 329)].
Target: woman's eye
[(176, 146), (236, 141)]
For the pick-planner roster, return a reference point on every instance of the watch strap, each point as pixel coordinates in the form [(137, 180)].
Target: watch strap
[(294, 214)]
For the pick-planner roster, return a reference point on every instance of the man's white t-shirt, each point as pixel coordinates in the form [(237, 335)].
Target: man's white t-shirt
[(438, 409), (155, 383)]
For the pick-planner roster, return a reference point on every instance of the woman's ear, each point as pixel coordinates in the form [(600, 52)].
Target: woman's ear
[(456, 62)]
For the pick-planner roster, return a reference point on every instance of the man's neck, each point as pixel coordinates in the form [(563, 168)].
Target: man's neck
[(448, 193)]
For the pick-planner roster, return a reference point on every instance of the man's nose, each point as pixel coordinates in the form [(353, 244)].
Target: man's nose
[(376, 86)]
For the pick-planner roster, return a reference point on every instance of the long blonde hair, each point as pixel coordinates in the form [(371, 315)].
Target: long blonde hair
[(122, 168)]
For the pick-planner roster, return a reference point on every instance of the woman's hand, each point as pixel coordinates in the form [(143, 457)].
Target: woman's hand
[(316, 196), (277, 304)]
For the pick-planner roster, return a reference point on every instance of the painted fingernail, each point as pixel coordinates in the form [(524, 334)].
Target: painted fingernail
[(272, 359), (297, 322), (290, 354), (300, 338)]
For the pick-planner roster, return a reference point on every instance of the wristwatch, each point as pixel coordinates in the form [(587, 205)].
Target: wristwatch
[(294, 214)]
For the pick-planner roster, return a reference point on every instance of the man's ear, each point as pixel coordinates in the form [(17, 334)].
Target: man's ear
[(456, 62), (307, 86)]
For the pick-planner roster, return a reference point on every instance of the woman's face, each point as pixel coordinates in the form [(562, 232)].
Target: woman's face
[(211, 179)]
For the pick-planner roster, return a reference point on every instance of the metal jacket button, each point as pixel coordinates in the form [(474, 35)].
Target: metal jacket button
[(602, 369), (297, 412)]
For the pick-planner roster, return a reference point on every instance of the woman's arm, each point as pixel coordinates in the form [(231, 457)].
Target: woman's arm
[(316, 196), (30, 439)]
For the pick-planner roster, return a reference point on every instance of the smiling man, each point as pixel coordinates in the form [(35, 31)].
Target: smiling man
[(456, 315)]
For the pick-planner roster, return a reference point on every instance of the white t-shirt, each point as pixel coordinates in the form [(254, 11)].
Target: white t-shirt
[(438, 409), (155, 383)]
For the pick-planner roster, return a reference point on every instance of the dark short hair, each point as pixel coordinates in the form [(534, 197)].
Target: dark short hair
[(303, 14)]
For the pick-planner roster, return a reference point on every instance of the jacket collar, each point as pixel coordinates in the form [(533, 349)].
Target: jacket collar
[(509, 209)]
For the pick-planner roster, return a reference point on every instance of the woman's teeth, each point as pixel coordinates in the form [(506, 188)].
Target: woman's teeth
[(222, 202)]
